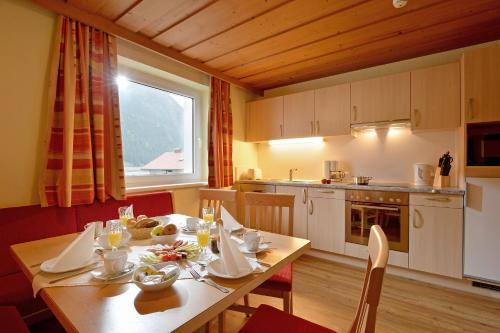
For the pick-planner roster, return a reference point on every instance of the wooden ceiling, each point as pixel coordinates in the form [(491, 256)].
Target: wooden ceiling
[(264, 44)]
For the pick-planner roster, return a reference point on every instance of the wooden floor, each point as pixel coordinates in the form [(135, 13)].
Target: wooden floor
[(327, 293)]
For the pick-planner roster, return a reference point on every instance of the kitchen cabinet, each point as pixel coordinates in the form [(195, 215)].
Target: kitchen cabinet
[(265, 119), (298, 115), (436, 234), (481, 75), (299, 209), (332, 110), (326, 219), (385, 98), (435, 97)]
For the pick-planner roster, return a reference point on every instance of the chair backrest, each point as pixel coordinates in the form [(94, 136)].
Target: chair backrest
[(265, 211), (215, 198), (378, 250)]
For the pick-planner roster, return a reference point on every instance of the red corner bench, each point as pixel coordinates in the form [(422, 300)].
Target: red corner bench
[(24, 224)]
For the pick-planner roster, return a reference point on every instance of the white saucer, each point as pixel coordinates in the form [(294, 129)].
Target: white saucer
[(100, 274), (262, 247), (47, 266), (215, 268)]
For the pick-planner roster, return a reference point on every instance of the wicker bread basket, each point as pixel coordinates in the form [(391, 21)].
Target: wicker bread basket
[(140, 233)]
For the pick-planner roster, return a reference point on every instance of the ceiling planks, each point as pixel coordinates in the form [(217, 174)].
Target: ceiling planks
[(262, 44)]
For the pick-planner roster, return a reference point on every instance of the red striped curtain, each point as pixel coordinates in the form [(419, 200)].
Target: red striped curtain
[(84, 154), (220, 135)]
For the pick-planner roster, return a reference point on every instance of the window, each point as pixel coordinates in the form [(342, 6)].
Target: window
[(160, 125)]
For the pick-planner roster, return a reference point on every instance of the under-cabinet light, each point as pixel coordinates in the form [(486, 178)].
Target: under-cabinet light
[(295, 141)]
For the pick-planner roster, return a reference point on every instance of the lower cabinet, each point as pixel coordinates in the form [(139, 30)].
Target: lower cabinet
[(299, 210), (326, 219), (436, 234)]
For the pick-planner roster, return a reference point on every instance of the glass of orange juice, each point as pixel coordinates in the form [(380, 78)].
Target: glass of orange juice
[(203, 237), (114, 235), (208, 214), (125, 213)]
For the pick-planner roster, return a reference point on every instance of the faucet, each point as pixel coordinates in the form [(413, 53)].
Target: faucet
[(290, 173)]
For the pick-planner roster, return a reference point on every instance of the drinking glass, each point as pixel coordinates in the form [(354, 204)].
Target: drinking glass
[(114, 235), (125, 213), (203, 237), (208, 214)]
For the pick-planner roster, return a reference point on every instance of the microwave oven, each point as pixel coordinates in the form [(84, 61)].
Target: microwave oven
[(483, 144)]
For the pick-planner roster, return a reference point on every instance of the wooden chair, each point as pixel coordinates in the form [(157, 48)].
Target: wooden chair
[(215, 198), (265, 211), (269, 319)]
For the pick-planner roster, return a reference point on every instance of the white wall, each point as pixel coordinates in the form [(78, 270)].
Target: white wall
[(386, 156)]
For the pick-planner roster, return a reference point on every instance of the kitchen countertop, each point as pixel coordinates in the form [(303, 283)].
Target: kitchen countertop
[(397, 187)]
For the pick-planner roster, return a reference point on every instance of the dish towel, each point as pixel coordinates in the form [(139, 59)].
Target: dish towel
[(233, 261)]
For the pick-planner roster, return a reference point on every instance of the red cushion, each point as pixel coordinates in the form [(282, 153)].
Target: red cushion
[(281, 280), (15, 289), (24, 224), (269, 319), (150, 204), (11, 320)]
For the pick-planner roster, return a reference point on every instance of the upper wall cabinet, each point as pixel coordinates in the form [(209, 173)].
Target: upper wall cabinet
[(332, 110), (265, 119), (481, 84), (384, 98), (435, 97), (298, 115)]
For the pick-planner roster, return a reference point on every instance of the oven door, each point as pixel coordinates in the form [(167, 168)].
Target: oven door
[(393, 220)]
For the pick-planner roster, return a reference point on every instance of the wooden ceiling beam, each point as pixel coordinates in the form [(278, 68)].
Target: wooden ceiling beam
[(101, 23)]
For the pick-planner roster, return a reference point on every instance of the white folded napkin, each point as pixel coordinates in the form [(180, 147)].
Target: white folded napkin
[(76, 254), (230, 223), (233, 261)]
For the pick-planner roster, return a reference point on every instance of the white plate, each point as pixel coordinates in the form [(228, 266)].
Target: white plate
[(262, 247), (215, 268), (100, 274), (47, 265)]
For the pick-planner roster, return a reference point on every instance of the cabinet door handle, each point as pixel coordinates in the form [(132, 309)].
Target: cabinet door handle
[(416, 113), (326, 191), (471, 110), (304, 200), (281, 130), (439, 199), (415, 213), (311, 208), (317, 127), (312, 127), (354, 112)]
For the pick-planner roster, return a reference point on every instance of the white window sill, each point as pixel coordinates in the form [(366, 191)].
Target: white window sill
[(164, 187)]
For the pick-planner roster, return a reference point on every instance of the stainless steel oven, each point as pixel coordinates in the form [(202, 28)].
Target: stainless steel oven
[(387, 209)]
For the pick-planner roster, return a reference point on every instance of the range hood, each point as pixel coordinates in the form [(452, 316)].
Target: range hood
[(381, 125)]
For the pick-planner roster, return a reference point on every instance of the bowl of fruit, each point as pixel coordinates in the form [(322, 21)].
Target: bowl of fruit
[(164, 234)]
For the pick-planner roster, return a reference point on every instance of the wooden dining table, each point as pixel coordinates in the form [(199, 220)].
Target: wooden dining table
[(184, 307)]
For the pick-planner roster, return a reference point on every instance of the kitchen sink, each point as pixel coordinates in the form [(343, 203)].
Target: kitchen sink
[(298, 181)]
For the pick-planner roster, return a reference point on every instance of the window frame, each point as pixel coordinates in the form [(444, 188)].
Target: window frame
[(153, 81)]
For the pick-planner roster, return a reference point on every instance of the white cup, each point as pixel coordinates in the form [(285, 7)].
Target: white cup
[(252, 240), (99, 226), (192, 223), (114, 262)]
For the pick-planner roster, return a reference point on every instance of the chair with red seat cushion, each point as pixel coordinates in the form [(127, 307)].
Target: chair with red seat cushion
[(269, 319), (11, 320), (264, 211)]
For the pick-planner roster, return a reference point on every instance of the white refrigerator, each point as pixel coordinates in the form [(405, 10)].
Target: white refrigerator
[(482, 229)]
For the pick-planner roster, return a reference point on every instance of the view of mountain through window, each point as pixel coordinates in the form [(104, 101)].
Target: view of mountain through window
[(157, 130)]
